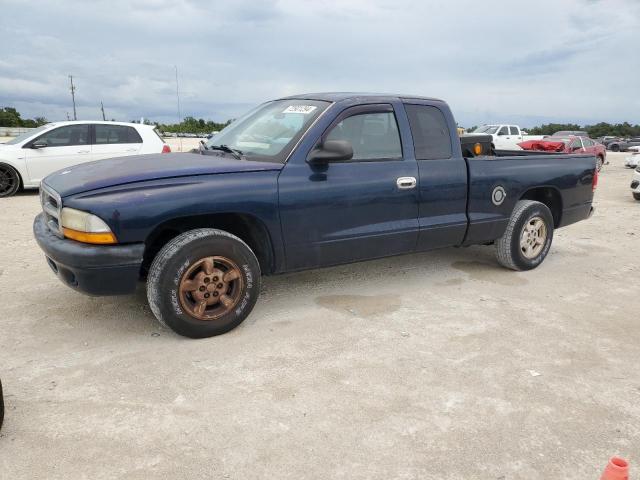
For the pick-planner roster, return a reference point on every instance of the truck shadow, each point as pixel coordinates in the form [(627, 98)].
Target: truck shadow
[(363, 289)]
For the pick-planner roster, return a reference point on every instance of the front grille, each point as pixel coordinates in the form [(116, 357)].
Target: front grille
[(51, 206)]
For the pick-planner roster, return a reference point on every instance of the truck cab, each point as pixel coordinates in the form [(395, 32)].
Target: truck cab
[(505, 137)]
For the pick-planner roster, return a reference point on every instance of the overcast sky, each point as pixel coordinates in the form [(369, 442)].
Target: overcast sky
[(553, 60)]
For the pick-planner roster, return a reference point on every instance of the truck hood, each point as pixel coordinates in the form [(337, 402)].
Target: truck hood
[(140, 168)]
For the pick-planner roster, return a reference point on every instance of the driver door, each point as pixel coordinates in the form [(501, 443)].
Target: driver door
[(356, 209)]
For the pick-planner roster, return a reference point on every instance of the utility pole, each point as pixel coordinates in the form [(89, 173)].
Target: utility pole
[(73, 97), (68, 118), (102, 108), (179, 112)]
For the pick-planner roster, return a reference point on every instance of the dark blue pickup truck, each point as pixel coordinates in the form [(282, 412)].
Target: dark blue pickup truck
[(300, 183)]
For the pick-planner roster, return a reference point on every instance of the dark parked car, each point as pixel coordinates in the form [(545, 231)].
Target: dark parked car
[(606, 140), (300, 183), (623, 145)]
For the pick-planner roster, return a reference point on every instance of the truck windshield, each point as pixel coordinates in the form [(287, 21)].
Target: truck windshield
[(270, 131), (488, 129)]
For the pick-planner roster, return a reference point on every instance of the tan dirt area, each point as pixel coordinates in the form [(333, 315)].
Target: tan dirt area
[(438, 365)]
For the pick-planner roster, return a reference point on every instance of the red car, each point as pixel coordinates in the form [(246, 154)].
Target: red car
[(568, 144)]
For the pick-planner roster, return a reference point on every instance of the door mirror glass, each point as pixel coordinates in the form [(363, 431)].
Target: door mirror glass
[(331, 151)]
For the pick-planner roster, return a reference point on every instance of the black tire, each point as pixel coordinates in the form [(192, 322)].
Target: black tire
[(599, 163), (508, 247), (615, 147), (1, 406), (174, 262), (9, 181), (636, 196)]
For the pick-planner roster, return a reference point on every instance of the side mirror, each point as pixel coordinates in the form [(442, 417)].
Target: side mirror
[(331, 151), (37, 145)]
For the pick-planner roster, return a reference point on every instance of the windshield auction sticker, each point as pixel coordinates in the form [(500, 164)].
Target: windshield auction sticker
[(304, 109)]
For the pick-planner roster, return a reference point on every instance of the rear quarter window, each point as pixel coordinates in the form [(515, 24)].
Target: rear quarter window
[(431, 136), (109, 134)]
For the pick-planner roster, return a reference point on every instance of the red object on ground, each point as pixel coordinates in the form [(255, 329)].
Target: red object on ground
[(544, 145), (616, 469), (166, 148)]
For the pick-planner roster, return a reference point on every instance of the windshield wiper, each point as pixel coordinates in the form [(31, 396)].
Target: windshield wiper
[(225, 148)]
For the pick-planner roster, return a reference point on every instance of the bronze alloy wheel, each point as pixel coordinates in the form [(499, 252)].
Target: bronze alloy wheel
[(211, 287)]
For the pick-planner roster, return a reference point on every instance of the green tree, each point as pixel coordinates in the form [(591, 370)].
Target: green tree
[(10, 117)]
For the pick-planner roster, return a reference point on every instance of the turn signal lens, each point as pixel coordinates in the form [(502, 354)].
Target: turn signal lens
[(85, 227), (477, 149), (85, 237)]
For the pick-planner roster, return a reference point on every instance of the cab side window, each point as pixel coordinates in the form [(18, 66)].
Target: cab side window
[(514, 130), (431, 137), (67, 136), (575, 144), (373, 136), (503, 131), (107, 134)]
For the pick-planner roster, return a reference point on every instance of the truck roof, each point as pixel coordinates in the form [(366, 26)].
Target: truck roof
[(339, 96)]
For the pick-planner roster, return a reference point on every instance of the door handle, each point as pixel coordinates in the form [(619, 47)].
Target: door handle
[(131, 149), (83, 151), (405, 183)]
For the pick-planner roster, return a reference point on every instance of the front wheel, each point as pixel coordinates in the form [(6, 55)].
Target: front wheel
[(203, 283), (599, 163), (527, 239), (636, 196), (9, 181)]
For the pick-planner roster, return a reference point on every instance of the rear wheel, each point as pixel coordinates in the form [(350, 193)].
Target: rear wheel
[(636, 196), (527, 239), (204, 282), (9, 181), (615, 147)]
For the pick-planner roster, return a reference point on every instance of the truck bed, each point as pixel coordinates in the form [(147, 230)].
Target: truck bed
[(569, 176)]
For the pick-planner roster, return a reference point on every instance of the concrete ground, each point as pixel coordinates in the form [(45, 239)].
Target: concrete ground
[(439, 365)]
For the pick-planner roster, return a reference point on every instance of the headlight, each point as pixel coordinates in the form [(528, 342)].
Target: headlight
[(85, 227)]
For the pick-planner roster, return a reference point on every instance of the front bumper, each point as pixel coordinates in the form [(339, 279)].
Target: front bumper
[(91, 269)]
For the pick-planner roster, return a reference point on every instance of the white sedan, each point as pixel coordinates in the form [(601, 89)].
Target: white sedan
[(635, 184), (632, 160), (27, 159)]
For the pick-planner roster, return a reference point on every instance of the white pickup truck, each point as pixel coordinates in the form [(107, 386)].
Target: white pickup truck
[(506, 137)]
